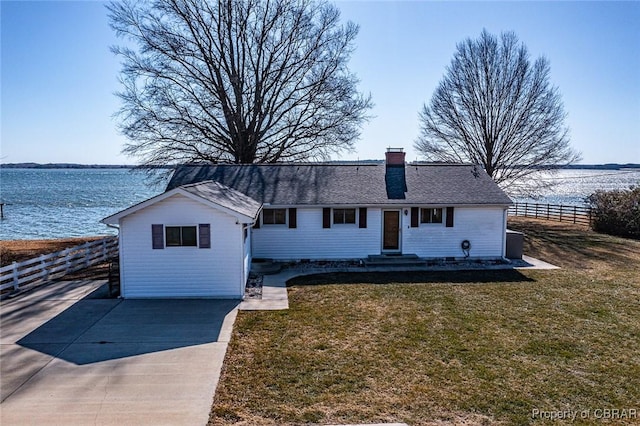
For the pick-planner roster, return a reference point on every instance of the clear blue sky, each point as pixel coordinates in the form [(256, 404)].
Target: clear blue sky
[(58, 75)]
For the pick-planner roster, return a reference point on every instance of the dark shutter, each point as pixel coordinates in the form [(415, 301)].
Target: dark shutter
[(157, 236), (415, 217), (326, 217), (362, 220), (449, 217), (293, 218), (204, 235)]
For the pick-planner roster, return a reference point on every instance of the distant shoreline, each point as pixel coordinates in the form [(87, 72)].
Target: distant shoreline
[(70, 166), (63, 166), (609, 166)]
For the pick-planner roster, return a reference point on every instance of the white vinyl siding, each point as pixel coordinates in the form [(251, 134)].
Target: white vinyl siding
[(221, 271), (181, 271), (482, 226), (309, 240)]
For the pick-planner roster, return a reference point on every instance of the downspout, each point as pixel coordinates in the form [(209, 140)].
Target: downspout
[(504, 232)]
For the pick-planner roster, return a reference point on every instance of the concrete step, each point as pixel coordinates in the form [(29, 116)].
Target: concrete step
[(394, 260)]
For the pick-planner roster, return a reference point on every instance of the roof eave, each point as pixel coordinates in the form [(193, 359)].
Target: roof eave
[(115, 218)]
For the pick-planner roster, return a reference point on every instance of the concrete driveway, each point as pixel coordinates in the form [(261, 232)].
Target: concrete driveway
[(69, 355)]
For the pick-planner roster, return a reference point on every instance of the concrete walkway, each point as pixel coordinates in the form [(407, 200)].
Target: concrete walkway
[(274, 293), (533, 263), (70, 356), (274, 287)]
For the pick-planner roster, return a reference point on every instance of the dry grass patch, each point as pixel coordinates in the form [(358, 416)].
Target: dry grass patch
[(480, 347), (21, 250), (575, 246)]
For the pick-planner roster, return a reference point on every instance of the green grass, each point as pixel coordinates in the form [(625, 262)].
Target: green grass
[(446, 348)]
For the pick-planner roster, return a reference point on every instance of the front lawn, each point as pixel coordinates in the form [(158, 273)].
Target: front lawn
[(447, 348)]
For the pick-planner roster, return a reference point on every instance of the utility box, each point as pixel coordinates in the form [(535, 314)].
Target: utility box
[(515, 241)]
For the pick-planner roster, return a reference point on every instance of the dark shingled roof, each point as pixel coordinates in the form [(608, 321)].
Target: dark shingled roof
[(363, 184)]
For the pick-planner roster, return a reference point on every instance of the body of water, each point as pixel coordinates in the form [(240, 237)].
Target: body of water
[(572, 187), (59, 203)]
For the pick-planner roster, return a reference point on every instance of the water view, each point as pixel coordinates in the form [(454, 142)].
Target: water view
[(572, 187), (58, 203)]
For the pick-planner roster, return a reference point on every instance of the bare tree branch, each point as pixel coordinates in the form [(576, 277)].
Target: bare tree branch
[(236, 81), (494, 108)]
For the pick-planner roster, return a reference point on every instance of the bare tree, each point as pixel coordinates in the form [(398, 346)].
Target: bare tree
[(236, 81), (496, 109)]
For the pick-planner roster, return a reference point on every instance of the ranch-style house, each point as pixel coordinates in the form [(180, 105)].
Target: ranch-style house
[(197, 239)]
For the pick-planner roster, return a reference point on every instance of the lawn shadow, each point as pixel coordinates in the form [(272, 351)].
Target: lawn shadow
[(411, 277), (571, 246)]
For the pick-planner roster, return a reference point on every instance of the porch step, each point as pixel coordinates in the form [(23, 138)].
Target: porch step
[(394, 260)]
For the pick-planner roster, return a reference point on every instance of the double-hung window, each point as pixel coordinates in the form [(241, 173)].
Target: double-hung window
[(431, 215), (274, 216), (344, 216)]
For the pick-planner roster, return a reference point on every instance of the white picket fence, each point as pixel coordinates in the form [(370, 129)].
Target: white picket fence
[(47, 267)]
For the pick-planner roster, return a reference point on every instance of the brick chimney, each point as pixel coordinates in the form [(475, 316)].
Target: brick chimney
[(394, 177), (394, 157)]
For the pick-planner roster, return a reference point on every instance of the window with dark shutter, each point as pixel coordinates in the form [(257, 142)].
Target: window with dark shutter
[(344, 216), (449, 217), (415, 211), (204, 235), (274, 216), (362, 219), (181, 236), (431, 215), (157, 236), (293, 218), (326, 217)]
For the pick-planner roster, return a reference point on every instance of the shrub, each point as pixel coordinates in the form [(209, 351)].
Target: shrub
[(617, 212)]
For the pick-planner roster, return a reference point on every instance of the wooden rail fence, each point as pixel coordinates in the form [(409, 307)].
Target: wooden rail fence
[(575, 214), (38, 270)]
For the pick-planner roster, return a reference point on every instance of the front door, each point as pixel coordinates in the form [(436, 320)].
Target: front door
[(391, 230)]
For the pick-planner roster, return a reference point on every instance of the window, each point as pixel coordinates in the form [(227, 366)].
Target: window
[(181, 236), (274, 216), (344, 216), (430, 215)]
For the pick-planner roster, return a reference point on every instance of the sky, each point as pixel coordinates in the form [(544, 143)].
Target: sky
[(58, 75)]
